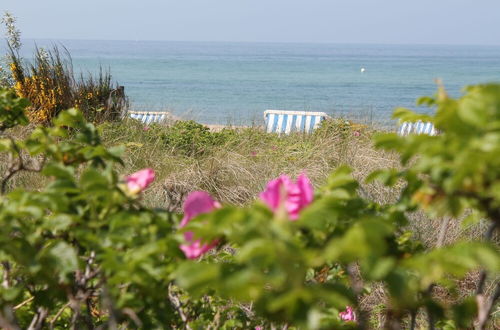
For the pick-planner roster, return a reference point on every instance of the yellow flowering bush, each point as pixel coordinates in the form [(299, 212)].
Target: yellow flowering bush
[(50, 86)]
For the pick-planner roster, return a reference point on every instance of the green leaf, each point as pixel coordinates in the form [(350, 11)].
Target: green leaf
[(389, 141), (59, 222), (426, 100), (388, 177), (59, 171), (406, 115), (196, 277), (70, 118), (65, 259), (7, 145), (365, 239)]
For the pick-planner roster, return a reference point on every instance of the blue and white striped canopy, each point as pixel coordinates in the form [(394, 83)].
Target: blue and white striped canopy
[(418, 127), (148, 117), (285, 121)]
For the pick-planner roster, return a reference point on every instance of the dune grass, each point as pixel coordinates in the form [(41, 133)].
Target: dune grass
[(235, 164)]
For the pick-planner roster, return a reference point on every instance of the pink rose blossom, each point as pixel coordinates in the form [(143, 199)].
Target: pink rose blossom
[(146, 128), (139, 181), (348, 315), (259, 328), (198, 202), (295, 196), (357, 133)]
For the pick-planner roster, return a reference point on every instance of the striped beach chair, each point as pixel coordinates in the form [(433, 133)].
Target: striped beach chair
[(286, 121), (418, 127), (147, 117)]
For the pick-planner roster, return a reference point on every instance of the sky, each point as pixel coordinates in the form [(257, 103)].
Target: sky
[(466, 22)]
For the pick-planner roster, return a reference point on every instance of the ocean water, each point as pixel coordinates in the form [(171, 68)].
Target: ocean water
[(221, 83)]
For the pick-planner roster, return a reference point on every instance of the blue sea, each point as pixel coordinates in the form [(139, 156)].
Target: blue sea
[(233, 83)]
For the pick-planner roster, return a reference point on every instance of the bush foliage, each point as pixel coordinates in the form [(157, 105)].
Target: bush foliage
[(50, 86), (84, 252), (193, 139)]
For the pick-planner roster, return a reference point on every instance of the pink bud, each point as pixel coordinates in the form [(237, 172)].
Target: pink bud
[(198, 202), (139, 181), (348, 315), (294, 196)]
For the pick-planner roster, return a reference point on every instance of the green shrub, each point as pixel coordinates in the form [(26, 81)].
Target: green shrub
[(12, 113), (83, 251), (343, 246), (193, 139)]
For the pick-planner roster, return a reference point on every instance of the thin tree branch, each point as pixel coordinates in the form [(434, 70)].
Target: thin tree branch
[(357, 286), (24, 303), (133, 316), (6, 274), (413, 320), (482, 277), (59, 312), (430, 316), (18, 166), (485, 308), (39, 319), (484, 304), (174, 300), (83, 293), (109, 305)]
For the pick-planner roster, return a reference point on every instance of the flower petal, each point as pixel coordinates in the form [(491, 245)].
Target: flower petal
[(140, 180), (295, 196), (198, 202), (348, 315)]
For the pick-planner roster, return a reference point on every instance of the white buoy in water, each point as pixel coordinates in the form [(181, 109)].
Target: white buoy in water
[(363, 70)]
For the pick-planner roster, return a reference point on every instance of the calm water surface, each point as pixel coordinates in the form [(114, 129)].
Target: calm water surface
[(222, 83)]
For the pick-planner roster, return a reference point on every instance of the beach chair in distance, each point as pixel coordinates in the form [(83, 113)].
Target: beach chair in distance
[(418, 127), (148, 117), (287, 121)]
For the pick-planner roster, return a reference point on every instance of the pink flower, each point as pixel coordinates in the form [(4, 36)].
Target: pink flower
[(198, 202), (348, 315), (146, 128), (357, 133), (282, 192), (139, 181), (259, 328)]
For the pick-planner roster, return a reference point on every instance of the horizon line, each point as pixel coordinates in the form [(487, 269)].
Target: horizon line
[(263, 42)]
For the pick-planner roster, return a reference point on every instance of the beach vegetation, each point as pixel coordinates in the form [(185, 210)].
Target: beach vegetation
[(49, 83), (50, 86), (14, 40), (193, 139), (324, 231)]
